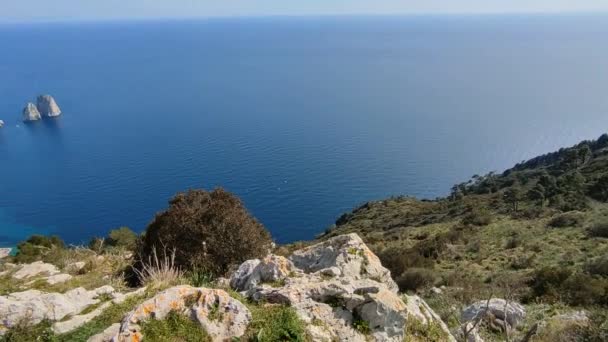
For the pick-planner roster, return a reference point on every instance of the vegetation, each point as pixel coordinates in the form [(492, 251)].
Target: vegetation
[(211, 231), (542, 224), (174, 328)]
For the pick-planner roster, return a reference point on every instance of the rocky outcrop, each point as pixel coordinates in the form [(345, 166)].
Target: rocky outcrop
[(1, 123), (30, 113), (498, 313), (36, 306), (106, 335), (35, 269), (337, 287), (58, 278), (47, 106), (220, 315), (4, 252)]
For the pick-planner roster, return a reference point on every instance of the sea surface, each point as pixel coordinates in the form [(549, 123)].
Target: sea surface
[(303, 118)]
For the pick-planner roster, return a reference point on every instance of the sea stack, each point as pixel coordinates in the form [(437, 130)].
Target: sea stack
[(47, 106), (30, 113), (1, 123)]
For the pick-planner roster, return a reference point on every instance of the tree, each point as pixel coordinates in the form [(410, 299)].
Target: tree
[(212, 231), (513, 196), (537, 194), (599, 189)]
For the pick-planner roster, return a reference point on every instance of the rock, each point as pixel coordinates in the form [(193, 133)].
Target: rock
[(106, 335), (75, 266), (332, 286), (47, 106), (66, 326), (496, 308), (472, 333), (419, 309), (4, 252), (37, 306), (34, 269), (58, 278), (563, 327), (31, 113), (271, 269), (436, 290), (220, 315), (1, 123), (347, 253)]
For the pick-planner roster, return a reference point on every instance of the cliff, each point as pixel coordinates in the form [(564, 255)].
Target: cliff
[(30, 113), (47, 106)]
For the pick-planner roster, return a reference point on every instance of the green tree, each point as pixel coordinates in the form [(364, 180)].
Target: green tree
[(537, 194), (513, 195)]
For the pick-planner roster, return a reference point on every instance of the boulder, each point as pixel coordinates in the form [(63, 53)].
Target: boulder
[(336, 287), (75, 266), (30, 113), (106, 335), (35, 269), (58, 278), (37, 306), (47, 106), (220, 315), (497, 311)]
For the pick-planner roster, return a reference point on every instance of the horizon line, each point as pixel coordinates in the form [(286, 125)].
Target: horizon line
[(327, 15)]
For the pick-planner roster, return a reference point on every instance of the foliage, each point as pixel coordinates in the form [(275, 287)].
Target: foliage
[(39, 247), (159, 272), (199, 278), (415, 278), (25, 332), (478, 217), (275, 323), (174, 328), (418, 331), (208, 230), (122, 237), (569, 219), (599, 229)]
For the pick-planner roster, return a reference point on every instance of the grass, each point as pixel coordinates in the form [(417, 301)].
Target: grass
[(159, 272), (417, 331), (274, 323), (174, 328)]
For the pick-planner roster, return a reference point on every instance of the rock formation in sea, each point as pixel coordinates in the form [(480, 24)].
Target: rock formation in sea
[(47, 106), (1, 123), (31, 113)]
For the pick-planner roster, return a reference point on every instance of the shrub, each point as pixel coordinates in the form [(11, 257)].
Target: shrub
[(415, 278), (39, 247), (598, 266), (570, 219), (599, 229), (122, 237), (478, 217), (208, 230), (547, 282)]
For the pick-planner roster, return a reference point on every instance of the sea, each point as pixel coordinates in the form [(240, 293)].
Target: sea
[(304, 118)]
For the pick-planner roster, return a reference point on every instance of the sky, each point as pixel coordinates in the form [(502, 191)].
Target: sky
[(60, 10)]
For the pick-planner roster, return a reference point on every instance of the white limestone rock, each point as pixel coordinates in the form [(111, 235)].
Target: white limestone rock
[(58, 278), (511, 313), (35, 269), (31, 113), (37, 306), (229, 319), (47, 106)]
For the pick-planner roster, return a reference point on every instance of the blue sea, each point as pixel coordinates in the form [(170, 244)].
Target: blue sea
[(303, 118)]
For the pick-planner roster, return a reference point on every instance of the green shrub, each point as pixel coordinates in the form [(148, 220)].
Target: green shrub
[(208, 230), (598, 266), (26, 332), (175, 327), (547, 282), (415, 278), (570, 219), (122, 237), (599, 229), (39, 248), (478, 217)]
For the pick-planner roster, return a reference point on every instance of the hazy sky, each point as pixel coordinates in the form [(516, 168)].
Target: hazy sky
[(36, 10)]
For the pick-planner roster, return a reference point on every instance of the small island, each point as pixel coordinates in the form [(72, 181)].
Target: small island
[(45, 106), (1, 123)]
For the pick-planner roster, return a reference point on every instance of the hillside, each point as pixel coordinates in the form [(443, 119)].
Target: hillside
[(536, 233)]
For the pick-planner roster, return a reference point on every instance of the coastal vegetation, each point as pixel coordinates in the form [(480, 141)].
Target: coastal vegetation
[(534, 237)]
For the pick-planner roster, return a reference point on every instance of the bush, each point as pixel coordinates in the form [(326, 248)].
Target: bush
[(598, 266), (571, 219), (175, 327), (415, 278), (478, 217), (39, 248), (546, 283), (599, 229), (122, 237), (211, 231), (555, 284)]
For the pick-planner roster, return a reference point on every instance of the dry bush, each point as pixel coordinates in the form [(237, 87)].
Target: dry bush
[(211, 231), (159, 273)]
